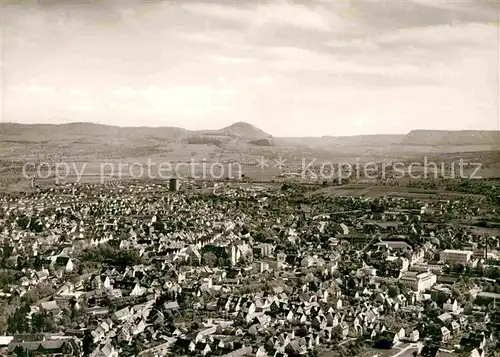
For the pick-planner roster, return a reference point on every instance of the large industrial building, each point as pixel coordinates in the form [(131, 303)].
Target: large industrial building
[(456, 256), (418, 281)]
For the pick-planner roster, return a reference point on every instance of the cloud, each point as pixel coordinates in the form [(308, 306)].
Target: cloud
[(441, 36), (179, 100), (231, 60), (82, 108), (261, 80), (291, 59), (76, 91), (35, 89), (299, 16), (408, 63), (125, 92), (273, 14)]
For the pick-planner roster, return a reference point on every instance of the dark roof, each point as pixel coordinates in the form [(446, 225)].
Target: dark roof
[(38, 345), (430, 351)]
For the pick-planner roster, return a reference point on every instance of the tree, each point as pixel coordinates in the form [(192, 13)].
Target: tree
[(353, 349), (87, 343), (7, 277), (313, 353), (393, 291), (209, 259), (112, 255), (403, 289), (468, 307), (337, 334), (17, 321), (19, 351), (43, 322), (138, 346), (112, 306)]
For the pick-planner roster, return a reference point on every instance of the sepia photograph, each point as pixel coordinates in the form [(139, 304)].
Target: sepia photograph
[(250, 178)]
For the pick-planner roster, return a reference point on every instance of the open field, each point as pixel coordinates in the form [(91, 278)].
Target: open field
[(380, 191), (12, 177)]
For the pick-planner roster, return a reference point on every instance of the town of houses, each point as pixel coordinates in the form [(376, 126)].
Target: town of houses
[(131, 269)]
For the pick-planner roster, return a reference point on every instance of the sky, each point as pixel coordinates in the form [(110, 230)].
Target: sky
[(298, 68)]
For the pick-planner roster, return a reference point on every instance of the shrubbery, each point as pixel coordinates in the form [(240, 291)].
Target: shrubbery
[(111, 255)]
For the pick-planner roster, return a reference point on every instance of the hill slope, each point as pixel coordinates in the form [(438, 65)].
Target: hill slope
[(452, 138), (92, 131), (240, 130), (342, 141)]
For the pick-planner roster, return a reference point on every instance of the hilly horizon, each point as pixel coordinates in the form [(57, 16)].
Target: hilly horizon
[(249, 131), (238, 141)]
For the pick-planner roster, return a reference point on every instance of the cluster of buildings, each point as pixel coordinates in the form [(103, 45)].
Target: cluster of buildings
[(141, 269)]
